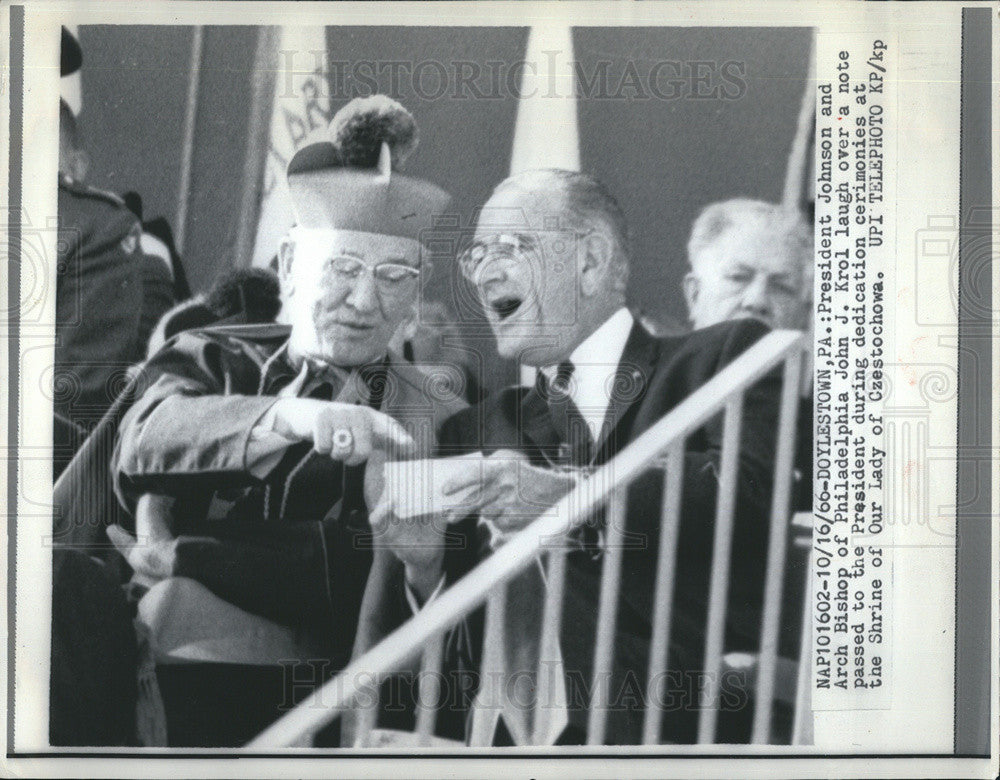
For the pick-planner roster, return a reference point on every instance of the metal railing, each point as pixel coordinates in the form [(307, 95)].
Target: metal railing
[(663, 443)]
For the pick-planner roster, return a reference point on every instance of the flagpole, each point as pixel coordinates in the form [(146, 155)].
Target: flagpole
[(187, 142), (795, 181), (794, 174), (261, 99)]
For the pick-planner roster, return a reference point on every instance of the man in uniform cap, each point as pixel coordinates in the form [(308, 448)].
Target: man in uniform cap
[(244, 462)]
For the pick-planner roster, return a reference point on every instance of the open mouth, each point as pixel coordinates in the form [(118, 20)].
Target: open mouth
[(358, 326), (504, 307)]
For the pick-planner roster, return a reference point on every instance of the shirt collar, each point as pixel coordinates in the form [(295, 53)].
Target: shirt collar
[(595, 362), (602, 350), (306, 373), (607, 342)]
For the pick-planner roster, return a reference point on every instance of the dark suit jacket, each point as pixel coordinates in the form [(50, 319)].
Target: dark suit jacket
[(655, 375), (291, 546)]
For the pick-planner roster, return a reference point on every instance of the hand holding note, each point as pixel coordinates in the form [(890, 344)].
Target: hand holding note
[(414, 488), (507, 492), (410, 510)]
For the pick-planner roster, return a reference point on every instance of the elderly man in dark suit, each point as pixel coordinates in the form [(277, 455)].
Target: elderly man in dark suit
[(245, 459), (550, 264)]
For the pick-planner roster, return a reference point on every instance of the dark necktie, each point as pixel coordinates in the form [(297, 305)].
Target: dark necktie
[(569, 424)]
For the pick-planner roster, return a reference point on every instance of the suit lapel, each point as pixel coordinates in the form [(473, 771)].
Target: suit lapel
[(534, 423), (628, 388)]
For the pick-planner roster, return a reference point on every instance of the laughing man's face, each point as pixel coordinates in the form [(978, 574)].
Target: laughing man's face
[(526, 274)]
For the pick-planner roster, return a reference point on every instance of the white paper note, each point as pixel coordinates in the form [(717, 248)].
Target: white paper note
[(416, 487)]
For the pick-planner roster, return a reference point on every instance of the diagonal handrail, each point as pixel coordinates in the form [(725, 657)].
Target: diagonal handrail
[(389, 655)]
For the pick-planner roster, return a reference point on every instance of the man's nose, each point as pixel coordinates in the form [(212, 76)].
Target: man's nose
[(364, 294), (755, 296), (492, 269)]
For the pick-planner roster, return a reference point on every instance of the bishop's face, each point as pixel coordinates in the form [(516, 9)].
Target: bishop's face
[(524, 265), (346, 292), (742, 275)]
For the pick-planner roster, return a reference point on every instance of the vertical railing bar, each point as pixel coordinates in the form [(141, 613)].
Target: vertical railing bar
[(481, 729), (719, 583), (778, 536), (802, 715), (367, 718), (549, 643), (429, 689), (664, 594), (606, 616)]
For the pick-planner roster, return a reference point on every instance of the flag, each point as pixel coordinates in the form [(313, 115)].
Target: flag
[(546, 134), (301, 106)]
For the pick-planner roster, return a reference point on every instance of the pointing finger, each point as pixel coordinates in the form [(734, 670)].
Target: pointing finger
[(391, 435)]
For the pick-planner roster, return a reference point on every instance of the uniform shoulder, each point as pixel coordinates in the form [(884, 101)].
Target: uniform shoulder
[(101, 219)]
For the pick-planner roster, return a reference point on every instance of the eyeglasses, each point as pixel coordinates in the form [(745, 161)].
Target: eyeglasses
[(392, 280), (516, 248), (508, 246)]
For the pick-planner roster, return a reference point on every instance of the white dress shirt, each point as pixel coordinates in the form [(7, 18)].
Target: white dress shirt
[(595, 363)]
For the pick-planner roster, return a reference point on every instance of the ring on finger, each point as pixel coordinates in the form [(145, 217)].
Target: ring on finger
[(343, 443)]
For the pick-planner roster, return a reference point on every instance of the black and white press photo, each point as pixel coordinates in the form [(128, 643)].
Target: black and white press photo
[(498, 381)]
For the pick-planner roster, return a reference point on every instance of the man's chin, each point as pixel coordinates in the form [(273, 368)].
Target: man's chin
[(512, 346), (350, 357), (509, 349)]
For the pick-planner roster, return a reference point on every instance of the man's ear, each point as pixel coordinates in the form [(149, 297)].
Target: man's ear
[(286, 253), (692, 286), (80, 164), (597, 254)]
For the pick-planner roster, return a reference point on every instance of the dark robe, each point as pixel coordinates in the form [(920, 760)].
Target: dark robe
[(292, 545)]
